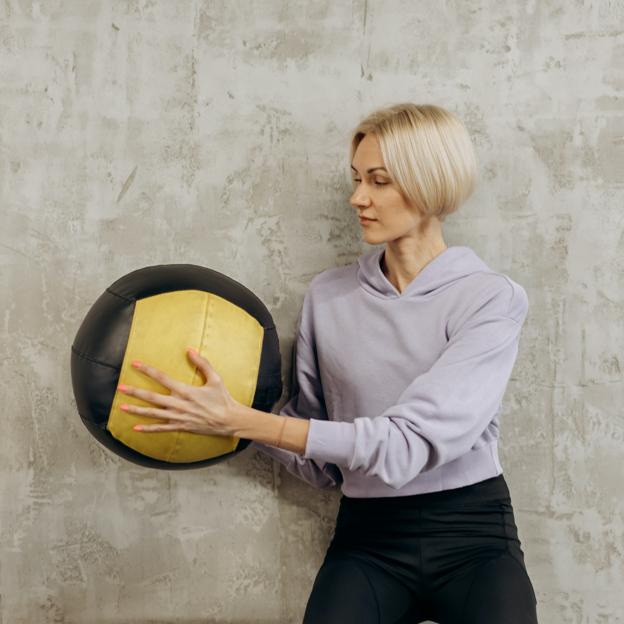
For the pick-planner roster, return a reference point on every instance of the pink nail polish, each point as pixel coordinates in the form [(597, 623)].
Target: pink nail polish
[(136, 363)]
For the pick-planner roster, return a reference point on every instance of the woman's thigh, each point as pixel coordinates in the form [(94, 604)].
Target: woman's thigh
[(473, 563), (497, 591), (347, 589)]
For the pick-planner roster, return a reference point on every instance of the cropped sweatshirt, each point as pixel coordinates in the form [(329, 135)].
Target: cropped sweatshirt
[(403, 390)]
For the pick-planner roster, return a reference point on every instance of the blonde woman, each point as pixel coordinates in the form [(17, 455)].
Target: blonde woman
[(401, 364)]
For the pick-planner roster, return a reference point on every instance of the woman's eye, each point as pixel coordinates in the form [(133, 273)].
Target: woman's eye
[(376, 182)]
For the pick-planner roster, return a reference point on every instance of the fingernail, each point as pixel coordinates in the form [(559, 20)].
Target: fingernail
[(136, 363), (124, 407), (137, 428), (122, 387)]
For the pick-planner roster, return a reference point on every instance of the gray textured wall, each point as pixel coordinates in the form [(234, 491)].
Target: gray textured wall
[(145, 132)]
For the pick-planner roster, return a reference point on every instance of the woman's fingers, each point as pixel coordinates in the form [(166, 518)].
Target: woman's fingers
[(152, 397), (155, 412), (161, 428), (209, 373), (160, 377), (149, 411)]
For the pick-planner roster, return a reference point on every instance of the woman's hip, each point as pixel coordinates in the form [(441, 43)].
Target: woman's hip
[(430, 537), (480, 514)]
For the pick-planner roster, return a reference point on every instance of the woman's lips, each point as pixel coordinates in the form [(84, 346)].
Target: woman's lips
[(365, 221)]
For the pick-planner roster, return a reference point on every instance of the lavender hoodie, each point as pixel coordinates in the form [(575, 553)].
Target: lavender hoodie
[(403, 390)]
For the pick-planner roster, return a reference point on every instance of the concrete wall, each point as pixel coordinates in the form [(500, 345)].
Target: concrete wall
[(141, 132)]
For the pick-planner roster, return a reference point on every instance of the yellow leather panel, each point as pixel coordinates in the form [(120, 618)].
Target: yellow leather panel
[(162, 327)]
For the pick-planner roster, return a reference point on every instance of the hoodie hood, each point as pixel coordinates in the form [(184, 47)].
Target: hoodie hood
[(452, 264)]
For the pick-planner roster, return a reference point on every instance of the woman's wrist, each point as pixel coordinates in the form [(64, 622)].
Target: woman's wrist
[(268, 428)]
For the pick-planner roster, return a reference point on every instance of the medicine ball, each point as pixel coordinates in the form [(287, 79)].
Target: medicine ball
[(153, 314)]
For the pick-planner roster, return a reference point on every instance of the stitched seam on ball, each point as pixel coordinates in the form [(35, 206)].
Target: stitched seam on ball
[(92, 359), (112, 292)]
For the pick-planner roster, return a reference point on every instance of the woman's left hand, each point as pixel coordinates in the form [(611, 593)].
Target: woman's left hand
[(206, 409)]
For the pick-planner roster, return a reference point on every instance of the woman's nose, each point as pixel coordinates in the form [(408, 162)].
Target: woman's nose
[(358, 199)]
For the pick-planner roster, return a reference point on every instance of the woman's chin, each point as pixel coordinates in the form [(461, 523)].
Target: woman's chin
[(368, 235)]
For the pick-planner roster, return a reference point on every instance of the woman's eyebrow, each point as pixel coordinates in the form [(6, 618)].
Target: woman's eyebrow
[(371, 169)]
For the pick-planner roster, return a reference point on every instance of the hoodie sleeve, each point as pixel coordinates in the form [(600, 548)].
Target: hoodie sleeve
[(306, 401), (442, 413)]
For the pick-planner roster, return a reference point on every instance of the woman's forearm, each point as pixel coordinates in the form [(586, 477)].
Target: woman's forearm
[(265, 427)]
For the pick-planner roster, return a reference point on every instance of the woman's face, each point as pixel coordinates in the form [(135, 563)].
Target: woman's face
[(377, 196)]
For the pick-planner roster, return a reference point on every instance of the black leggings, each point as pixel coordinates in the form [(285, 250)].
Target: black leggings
[(452, 557)]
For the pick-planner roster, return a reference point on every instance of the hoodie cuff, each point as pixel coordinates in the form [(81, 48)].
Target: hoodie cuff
[(330, 441)]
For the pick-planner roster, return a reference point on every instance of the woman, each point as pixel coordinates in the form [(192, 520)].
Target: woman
[(402, 360)]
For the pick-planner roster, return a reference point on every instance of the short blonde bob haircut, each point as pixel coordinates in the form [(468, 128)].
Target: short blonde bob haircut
[(427, 152)]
